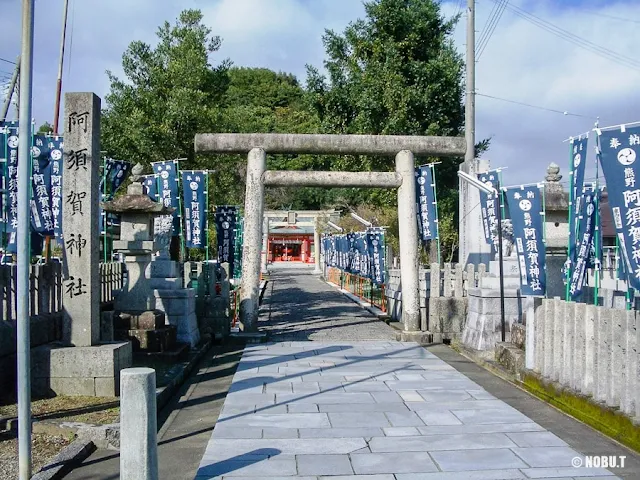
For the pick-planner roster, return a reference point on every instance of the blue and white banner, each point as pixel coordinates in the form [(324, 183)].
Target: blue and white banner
[(586, 230), (426, 203), (168, 189), (375, 241), (226, 220), (576, 174), (194, 187), (41, 215), (150, 184), (11, 154), (619, 152), (525, 206), (489, 207), (119, 173), (56, 146)]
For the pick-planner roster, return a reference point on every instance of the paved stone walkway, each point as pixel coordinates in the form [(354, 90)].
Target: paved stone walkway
[(299, 306), (376, 409)]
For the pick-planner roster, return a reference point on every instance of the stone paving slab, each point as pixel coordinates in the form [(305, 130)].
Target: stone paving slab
[(340, 410)]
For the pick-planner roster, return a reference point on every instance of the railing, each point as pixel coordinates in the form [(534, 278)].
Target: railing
[(46, 287), (361, 287), (112, 278)]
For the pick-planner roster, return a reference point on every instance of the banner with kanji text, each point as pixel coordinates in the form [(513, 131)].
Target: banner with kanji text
[(168, 189), (525, 206), (194, 189), (585, 234), (619, 149), (426, 203), (490, 206), (226, 220)]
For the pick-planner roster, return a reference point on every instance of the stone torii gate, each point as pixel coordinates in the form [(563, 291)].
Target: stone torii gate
[(258, 177)]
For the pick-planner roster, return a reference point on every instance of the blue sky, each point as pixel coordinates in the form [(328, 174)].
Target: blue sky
[(521, 62)]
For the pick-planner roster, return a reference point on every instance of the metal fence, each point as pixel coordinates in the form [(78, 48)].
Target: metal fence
[(361, 287)]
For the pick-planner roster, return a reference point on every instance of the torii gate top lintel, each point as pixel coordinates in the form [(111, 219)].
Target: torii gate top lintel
[(329, 144)]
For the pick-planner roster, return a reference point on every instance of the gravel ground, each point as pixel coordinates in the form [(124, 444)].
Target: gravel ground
[(44, 448), (300, 306)]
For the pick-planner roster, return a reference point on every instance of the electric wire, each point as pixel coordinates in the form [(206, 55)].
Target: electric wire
[(534, 106), (489, 33), (7, 61), (611, 17), (483, 33), (575, 39)]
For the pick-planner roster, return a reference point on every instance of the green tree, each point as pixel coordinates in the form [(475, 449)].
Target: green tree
[(171, 92), (396, 72), (45, 128)]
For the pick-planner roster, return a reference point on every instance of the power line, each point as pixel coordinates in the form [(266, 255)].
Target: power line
[(575, 39), (534, 106), (612, 17), (489, 20), (8, 61), (489, 33)]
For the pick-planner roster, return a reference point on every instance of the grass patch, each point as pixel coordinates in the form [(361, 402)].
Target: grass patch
[(609, 421), (96, 410)]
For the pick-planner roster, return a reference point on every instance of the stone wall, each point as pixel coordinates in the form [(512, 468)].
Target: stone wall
[(588, 349), (443, 302)]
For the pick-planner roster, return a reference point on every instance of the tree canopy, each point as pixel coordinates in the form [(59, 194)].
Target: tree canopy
[(394, 72)]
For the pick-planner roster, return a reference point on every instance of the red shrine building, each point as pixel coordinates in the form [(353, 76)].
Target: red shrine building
[(292, 234)]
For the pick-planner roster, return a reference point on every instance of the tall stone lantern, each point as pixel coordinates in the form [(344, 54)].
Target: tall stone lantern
[(135, 316)]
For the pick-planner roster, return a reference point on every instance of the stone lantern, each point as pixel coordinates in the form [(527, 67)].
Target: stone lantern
[(135, 315)]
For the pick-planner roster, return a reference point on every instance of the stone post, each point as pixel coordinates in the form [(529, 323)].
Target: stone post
[(80, 226), (253, 214), (316, 248), (138, 425), (264, 263), (408, 232), (473, 246)]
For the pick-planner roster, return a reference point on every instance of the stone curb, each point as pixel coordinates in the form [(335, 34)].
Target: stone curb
[(70, 457), (376, 312)]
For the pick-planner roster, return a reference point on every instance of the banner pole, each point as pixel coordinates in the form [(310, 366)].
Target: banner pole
[(5, 191), (571, 224), (206, 215), (544, 236), (597, 221), (104, 214), (180, 216), (435, 205)]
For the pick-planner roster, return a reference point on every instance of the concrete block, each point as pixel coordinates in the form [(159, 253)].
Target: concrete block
[(106, 326), (81, 386), (380, 463), (107, 387), (558, 340), (603, 354), (518, 335), (568, 343), (540, 320), (578, 357), (629, 362), (510, 357), (164, 283), (163, 269), (590, 350), (617, 365), (549, 328), (485, 459), (324, 465)]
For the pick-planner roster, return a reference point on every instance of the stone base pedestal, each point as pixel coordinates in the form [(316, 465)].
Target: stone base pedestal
[(88, 371), (484, 323), (179, 306), (422, 338)]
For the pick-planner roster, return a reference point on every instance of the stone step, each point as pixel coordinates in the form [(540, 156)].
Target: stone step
[(510, 357), (150, 320), (157, 340)]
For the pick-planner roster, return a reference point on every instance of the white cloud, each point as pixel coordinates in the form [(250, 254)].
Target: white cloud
[(521, 62)]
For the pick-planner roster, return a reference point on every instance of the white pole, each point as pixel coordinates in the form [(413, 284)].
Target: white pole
[(138, 424), (22, 245)]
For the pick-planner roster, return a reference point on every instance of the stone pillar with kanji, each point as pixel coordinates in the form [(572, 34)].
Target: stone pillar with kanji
[(80, 223)]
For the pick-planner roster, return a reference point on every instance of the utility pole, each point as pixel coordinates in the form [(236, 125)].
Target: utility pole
[(12, 87), (22, 245), (56, 113), (470, 107), (467, 199)]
